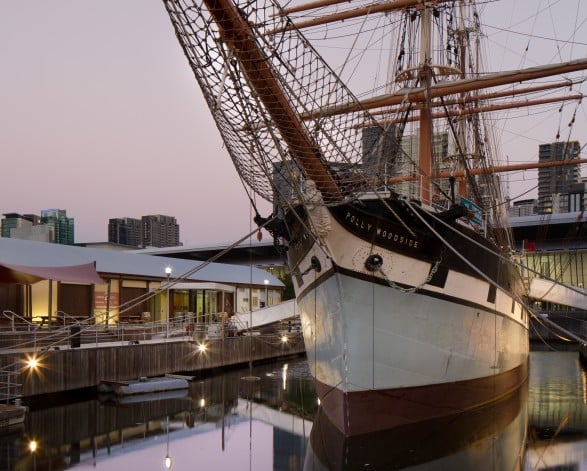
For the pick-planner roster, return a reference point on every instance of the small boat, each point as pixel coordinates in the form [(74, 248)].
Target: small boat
[(143, 385), (11, 415), (387, 198)]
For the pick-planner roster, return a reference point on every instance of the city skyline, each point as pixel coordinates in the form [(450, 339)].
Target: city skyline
[(102, 116)]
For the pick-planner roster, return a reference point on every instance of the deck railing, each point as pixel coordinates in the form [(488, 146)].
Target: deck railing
[(17, 320), (29, 336)]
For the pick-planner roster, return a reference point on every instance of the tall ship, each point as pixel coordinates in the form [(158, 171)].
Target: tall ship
[(385, 182)]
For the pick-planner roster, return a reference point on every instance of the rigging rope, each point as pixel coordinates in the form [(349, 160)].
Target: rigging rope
[(487, 278)]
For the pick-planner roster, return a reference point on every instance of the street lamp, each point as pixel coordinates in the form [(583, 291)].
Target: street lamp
[(168, 271), (266, 281)]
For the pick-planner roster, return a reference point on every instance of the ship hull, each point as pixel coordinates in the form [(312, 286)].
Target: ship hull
[(391, 347)]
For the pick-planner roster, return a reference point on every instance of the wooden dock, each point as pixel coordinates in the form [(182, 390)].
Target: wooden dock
[(69, 369)]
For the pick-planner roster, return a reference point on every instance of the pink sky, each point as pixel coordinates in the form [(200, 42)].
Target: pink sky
[(101, 116)]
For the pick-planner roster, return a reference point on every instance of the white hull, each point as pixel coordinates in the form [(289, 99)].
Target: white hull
[(393, 331), (367, 336)]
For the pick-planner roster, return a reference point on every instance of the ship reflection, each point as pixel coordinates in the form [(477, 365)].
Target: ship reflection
[(490, 437)]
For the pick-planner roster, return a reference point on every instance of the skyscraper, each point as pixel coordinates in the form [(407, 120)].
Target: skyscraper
[(149, 231), (160, 231), (63, 227), (555, 183), (17, 221), (126, 231)]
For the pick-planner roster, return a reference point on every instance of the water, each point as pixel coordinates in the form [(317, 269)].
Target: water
[(267, 418)]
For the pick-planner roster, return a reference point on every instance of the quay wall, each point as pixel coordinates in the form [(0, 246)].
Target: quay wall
[(78, 368)]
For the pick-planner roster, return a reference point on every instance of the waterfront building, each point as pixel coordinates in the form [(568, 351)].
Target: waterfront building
[(39, 280), (264, 255), (62, 226), (555, 183), (555, 246)]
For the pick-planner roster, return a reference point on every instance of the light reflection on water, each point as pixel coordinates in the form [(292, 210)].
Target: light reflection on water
[(267, 418)]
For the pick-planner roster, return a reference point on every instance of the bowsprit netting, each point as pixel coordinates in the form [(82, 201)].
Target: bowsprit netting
[(262, 87)]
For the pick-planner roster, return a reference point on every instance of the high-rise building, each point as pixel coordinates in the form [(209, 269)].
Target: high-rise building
[(63, 227), (149, 231), (443, 150), (160, 231), (555, 183), (17, 221), (126, 231)]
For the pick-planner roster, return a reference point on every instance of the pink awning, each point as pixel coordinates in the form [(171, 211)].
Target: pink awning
[(27, 275)]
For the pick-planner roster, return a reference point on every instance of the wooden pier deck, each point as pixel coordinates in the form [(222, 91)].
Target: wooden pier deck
[(69, 369)]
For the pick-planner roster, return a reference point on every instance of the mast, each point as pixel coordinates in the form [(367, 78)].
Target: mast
[(426, 132), (461, 130)]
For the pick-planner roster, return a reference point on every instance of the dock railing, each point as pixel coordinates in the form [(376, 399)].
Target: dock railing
[(71, 332), (18, 321), (9, 389)]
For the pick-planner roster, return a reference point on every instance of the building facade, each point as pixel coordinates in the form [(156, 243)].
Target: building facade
[(523, 208), (52, 226), (555, 183), (160, 231), (149, 231), (63, 226), (125, 231), (133, 287), (17, 221)]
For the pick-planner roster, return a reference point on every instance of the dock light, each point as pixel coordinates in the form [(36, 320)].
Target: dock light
[(202, 402), (284, 339), (202, 348), (33, 446), (32, 363), (168, 462)]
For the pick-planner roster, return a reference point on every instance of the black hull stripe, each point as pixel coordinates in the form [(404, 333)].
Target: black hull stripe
[(423, 292)]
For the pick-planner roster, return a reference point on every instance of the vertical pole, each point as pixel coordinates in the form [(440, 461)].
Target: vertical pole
[(425, 154), (108, 288), (167, 301), (50, 310)]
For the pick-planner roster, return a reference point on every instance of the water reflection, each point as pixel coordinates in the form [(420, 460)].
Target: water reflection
[(267, 419), (487, 438), (557, 412)]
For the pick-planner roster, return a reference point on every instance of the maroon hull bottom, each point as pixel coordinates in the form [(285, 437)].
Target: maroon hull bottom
[(364, 412), (444, 441)]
